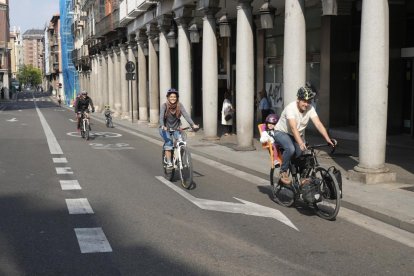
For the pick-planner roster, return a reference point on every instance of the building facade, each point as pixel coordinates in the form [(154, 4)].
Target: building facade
[(16, 53), (5, 67), (358, 56), (33, 48), (53, 56)]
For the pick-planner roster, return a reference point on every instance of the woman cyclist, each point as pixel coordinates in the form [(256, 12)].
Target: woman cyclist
[(170, 118)]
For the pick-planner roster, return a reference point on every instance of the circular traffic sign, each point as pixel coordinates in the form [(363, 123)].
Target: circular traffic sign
[(130, 66)]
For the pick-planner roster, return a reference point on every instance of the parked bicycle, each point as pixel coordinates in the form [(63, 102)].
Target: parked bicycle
[(108, 117), (181, 159), (85, 126), (318, 187)]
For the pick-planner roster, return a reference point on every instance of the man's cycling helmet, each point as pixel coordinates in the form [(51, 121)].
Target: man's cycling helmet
[(271, 119), (171, 91), (305, 93), (84, 92)]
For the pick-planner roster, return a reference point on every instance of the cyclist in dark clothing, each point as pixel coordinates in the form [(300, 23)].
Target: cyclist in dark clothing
[(82, 105)]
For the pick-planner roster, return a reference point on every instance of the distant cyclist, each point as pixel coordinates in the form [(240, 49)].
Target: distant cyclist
[(290, 129), (170, 118), (82, 105)]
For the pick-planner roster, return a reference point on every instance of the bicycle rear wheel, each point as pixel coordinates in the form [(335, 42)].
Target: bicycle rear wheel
[(168, 172), (186, 170), (283, 195), (328, 205)]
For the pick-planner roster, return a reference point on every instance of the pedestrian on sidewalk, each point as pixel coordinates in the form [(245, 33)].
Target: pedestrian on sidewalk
[(290, 129), (227, 112), (264, 105)]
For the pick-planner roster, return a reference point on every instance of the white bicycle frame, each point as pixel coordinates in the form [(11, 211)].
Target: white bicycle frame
[(177, 151)]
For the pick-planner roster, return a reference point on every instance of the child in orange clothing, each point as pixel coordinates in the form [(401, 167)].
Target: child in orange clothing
[(267, 135)]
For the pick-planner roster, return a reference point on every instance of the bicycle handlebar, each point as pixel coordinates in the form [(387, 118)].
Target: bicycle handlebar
[(324, 145)]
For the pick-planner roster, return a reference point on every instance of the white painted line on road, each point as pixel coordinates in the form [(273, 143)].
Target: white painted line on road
[(92, 240), (245, 207), (70, 185), (379, 227), (243, 175), (64, 170), (12, 120), (54, 146), (60, 160), (79, 206)]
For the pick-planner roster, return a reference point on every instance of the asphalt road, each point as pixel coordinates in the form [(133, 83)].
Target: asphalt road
[(74, 207)]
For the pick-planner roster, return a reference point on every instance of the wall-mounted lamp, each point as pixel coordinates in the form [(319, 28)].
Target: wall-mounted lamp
[(194, 33), (267, 15), (172, 38), (224, 26), (329, 7)]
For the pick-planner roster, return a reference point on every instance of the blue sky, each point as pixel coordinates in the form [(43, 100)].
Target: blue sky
[(32, 14)]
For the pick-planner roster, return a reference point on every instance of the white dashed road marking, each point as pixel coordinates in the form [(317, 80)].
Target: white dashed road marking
[(60, 160), (79, 206), (92, 240), (70, 185), (64, 170)]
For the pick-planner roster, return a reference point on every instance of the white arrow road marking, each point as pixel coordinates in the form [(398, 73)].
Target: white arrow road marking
[(12, 120), (246, 207)]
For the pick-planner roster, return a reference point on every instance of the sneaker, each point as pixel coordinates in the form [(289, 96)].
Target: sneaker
[(276, 164), (284, 178)]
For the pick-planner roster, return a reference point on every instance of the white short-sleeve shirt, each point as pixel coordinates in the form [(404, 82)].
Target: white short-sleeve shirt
[(291, 111)]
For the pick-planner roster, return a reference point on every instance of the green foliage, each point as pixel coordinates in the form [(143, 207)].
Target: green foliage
[(29, 75)]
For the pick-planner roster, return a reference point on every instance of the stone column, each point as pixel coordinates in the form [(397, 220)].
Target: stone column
[(325, 71), (153, 77), (132, 106), (294, 58), (373, 93), (210, 73), (164, 56), (185, 78), (117, 83), (142, 79), (110, 81), (105, 88), (100, 80), (124, 82), (244, 76)]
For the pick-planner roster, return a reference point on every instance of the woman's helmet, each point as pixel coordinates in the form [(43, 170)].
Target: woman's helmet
[(171, 91), (271, 119), (305, 93)]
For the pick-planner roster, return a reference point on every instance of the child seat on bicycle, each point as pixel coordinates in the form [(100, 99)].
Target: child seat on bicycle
[(266, 131)]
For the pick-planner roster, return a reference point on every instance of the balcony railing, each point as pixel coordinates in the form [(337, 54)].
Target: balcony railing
[(108, 24), (130, 9)]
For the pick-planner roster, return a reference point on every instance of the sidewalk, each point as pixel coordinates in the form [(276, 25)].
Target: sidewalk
[(392, 203)]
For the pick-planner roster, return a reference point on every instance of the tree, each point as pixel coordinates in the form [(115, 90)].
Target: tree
[(29, 75)]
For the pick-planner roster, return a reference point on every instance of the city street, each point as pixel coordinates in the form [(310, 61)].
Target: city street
[(101, 207)]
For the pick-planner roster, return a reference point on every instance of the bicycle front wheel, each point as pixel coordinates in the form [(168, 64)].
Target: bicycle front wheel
[(329, 203), (87, 130), (186, 169), (168, 172)]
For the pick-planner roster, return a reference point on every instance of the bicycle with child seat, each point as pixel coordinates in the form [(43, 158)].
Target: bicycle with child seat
[(316, 186), (85, 126), (181, 159)]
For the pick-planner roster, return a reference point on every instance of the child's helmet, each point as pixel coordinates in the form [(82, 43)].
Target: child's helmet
[(271, 119)]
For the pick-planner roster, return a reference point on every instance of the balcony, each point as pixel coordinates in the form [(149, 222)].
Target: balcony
[(108, 24), (130, 9)]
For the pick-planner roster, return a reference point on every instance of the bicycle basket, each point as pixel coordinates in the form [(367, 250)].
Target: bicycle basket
[(310, 192)]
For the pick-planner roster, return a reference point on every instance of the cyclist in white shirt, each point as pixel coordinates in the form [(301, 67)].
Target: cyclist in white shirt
[(290, 129)]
